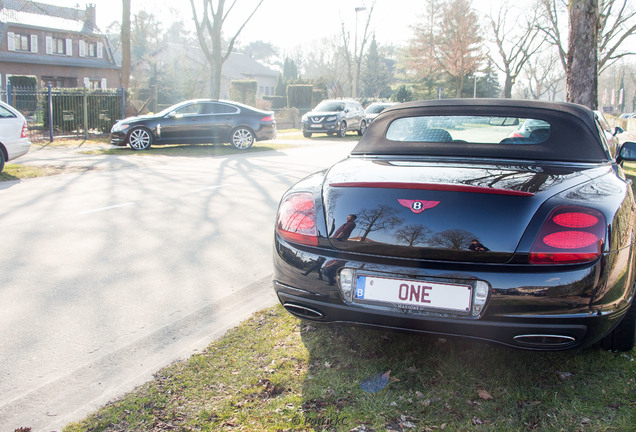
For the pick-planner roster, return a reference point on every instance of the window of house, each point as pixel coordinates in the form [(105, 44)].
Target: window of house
[(59, 46), (22, 42), (91, 49)]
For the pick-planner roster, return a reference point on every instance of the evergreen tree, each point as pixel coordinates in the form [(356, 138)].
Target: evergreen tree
[(290, 71), (375, 77), (403, 94), (281, 86)]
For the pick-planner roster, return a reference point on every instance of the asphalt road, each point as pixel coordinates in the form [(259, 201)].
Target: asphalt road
[(112, 273)]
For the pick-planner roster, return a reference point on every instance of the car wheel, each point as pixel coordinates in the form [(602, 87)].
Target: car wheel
[(363, 128), (140, 139), (307, 134), (342, 130), (2, 160), (242, 138), (623, 337)]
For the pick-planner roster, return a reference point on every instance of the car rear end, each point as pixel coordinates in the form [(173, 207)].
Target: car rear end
[(534, 254), (265, 126), (14, 135)]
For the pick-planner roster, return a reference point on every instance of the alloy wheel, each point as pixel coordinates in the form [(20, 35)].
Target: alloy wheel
[(242, 138)]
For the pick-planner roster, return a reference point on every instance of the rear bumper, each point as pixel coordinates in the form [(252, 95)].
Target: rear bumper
[(529, 335), (17, 148), (528, 307), (266, 132)]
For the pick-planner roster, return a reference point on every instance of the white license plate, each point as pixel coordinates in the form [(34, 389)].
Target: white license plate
[(316, 125), (413, 294)]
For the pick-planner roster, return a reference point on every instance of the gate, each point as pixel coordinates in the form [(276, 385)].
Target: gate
[(67, 113)]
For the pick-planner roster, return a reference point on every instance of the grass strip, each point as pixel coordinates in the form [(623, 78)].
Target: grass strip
[(277, 373)]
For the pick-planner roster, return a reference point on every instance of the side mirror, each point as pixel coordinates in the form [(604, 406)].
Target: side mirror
[(172, 114), (618, 130), (627, 152)]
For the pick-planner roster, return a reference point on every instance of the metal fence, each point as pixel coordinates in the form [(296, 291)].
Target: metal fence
[(67, 113)]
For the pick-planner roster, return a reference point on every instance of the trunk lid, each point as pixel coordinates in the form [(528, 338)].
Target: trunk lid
[(437, 211)]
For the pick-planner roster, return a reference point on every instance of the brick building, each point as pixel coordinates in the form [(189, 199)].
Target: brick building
[(55, 44)]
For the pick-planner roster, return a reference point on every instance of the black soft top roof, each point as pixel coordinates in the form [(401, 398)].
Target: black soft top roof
[(573, 133)]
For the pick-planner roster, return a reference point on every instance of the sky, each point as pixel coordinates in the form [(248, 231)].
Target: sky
[(287, 24)]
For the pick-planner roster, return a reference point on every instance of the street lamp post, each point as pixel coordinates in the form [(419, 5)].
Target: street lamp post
[(355, 53)]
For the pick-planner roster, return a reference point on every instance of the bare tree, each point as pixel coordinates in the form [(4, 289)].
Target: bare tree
[(452, 239), (582, 59), (209, 26), (615, 24), (458, 50), (412, 234), (125, 44), (553, 11), (515, 48), (543, 77), (381, 218)]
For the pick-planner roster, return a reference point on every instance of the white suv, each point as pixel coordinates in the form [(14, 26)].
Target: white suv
[(14, 140)]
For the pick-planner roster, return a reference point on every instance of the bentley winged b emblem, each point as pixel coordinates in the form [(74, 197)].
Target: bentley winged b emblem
[(418, 206)]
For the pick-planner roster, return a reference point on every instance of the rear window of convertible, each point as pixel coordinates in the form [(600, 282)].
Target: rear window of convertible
[(528, 135), (469, 129)]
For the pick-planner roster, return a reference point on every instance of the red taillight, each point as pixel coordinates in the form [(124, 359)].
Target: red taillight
[(516, 135), (570, 235), (575, 220), (25, 131), (268, 118), (297, 219)]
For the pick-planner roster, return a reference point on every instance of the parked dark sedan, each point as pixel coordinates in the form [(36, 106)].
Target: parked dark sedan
[(197, 121), (440, 222)]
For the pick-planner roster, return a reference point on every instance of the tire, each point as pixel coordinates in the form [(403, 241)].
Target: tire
[(623, 337), (363, 128), (342, 130), (139, 139), (242, 138), (2, 160), (307, 134)]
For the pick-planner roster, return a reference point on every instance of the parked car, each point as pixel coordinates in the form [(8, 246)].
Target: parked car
[(376, 108), (528, 126), (197, 121), (14, 139), (335, 117), (438, 222)]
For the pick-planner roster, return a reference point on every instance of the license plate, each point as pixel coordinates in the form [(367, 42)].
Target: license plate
[(316, 125), (413, 294)]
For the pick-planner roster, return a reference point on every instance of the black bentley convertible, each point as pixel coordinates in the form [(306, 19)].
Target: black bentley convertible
[(445, 220)]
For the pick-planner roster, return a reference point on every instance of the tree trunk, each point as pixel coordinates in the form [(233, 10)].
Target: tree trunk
[(582, 77), (507, 90)]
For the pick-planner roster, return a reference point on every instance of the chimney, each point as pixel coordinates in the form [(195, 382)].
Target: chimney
[(90, 16)]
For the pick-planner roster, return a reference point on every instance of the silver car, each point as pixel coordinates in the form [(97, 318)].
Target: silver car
[(14, 139)]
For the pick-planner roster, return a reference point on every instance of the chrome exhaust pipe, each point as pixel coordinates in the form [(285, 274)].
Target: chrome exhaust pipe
[(303, 311), (544, 340)]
